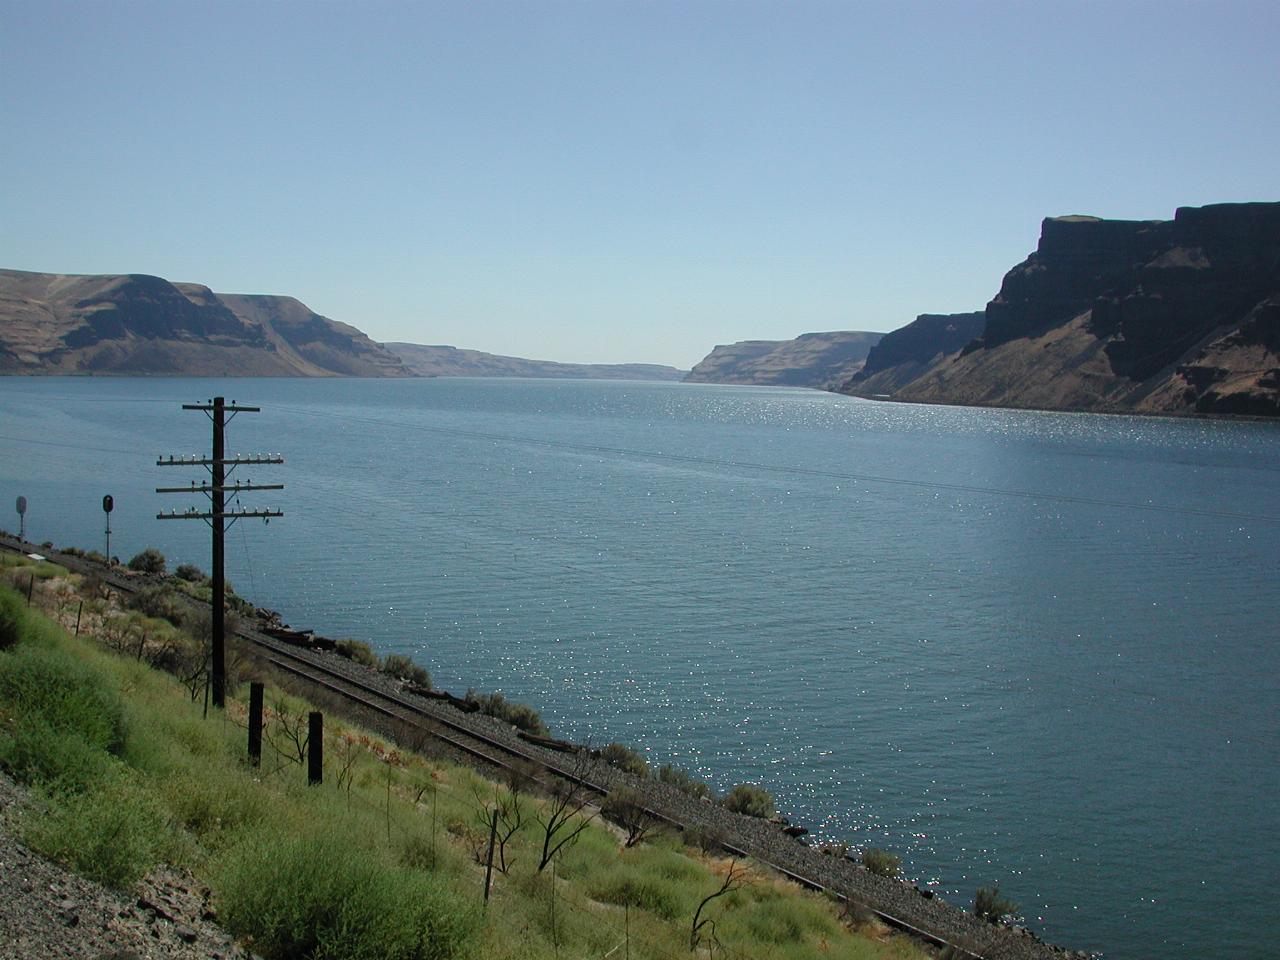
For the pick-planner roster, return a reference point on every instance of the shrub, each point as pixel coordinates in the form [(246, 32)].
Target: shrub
[(677, 778), (149, 560), (359, 651), (526, 718), (749, 799), (326, 898), (881, 862), (402, 667), (57, 760), (628, 890), (990, 906), (54, 688), (419, 852), (213, 811), (161, 602), (776, 922), (624, 758), (11, 618), (519, 715), (189, 572), (109, 834)]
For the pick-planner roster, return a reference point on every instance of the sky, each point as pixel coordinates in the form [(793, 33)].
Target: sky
[(615, 181)]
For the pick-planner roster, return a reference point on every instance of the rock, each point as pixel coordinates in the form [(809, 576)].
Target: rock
[(56, 323), (810, 360), (907, 352), (1179, 316), (443, 361), (185, 933), (157, 913)]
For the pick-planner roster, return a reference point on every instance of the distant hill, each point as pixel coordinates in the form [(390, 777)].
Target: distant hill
[(1179, 316), (134, 324), (810, 360), (439, 361)]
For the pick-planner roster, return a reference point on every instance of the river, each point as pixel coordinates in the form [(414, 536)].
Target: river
[(1028, 649)]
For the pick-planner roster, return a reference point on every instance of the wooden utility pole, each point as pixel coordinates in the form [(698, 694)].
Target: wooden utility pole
[(218, 517)]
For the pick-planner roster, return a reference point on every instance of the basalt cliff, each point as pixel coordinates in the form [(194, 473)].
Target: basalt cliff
[(1177, 316), (444, 361), (810, 360), (134, 324)]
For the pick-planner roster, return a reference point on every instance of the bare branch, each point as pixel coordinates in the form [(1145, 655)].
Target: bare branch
[(733, 880)]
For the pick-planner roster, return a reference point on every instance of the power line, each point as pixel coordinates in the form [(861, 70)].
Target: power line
[(67, 446)]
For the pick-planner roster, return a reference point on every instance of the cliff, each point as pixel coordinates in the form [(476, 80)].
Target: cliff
[(906, 353), (139, 324), (1179, 316), (810, 360), (441, 361)]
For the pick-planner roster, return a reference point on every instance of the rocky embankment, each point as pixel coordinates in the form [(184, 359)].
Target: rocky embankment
[(134, 324), (1179, 316), (48, 912), (821, 360)]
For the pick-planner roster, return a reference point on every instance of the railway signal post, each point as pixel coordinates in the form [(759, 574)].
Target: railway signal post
[(108, 504), (218, 517)]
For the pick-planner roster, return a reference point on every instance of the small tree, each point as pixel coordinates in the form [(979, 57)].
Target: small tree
[(749, 799), (562, 818), (149, 560), (706, 839), (881, 862), (990, 906), (703, 929), (507, 803), (626, 808)]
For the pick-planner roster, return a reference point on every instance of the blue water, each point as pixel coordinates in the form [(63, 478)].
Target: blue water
[(1030, 649)]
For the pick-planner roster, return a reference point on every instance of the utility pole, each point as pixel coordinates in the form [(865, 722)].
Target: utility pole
[(218, 517)]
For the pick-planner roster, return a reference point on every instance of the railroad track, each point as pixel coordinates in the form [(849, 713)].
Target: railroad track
[(491, 751)]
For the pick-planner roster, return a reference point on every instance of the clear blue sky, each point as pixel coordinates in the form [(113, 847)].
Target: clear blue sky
[(615, 181)]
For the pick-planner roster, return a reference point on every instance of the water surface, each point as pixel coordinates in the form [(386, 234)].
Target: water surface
[(1030, 649)]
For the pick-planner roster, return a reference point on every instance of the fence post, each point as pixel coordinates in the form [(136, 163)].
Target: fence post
[(255, 723), (30, 585), (488, 870), (79, 611), (315, 748)]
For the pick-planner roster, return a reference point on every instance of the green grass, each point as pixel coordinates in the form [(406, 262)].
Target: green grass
[(379, 861), (325, 897)]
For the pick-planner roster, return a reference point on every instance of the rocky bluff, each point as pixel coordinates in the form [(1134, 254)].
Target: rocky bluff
[(810, 360), (904, 354), (1160, 316), (139, 324)]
